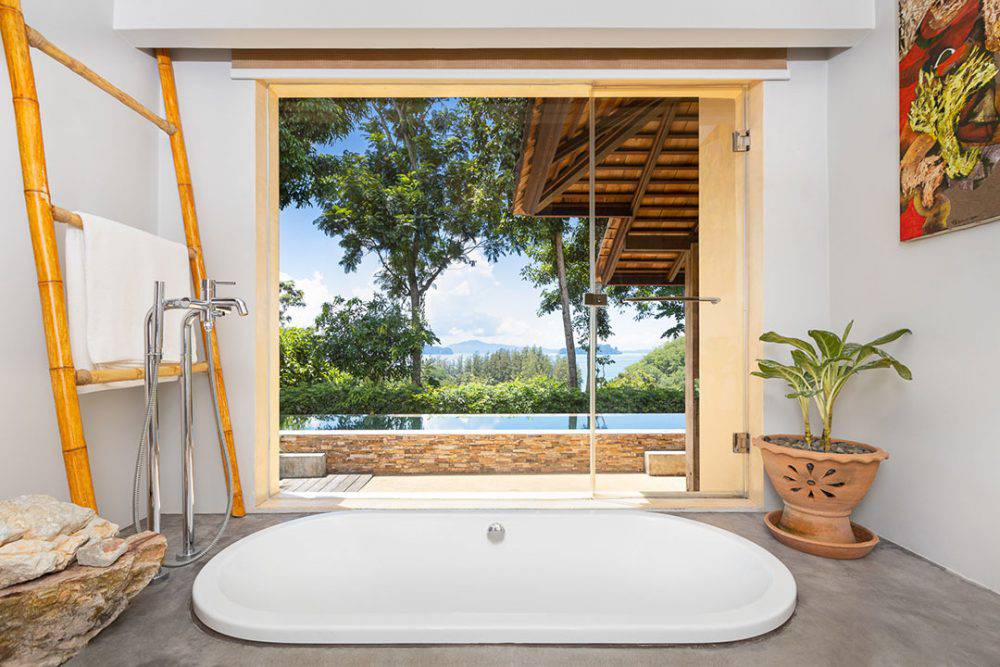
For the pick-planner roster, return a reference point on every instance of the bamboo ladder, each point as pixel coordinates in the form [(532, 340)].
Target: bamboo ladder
[(17, 38)]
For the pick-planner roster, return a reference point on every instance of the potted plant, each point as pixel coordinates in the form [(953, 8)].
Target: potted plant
[(821, 480)]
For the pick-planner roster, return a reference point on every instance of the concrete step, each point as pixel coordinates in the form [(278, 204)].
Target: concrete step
[(666, 464), (312, 464)]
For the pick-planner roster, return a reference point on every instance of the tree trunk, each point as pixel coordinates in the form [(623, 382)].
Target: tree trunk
[(417, 353), (557, 243)]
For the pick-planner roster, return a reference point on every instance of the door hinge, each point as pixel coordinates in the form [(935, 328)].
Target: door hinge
[(741, 443), (741, 141)]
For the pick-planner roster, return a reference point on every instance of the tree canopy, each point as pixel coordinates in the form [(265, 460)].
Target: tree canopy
[(432, 187), (368, 339), (661, 367)]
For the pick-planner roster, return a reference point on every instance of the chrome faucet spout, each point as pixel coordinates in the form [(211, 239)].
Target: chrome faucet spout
[(231, 303)]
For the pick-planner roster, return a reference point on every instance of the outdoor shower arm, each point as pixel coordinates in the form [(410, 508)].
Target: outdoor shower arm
[(707, 299)]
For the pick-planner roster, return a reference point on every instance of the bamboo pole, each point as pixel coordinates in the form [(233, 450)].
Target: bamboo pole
[(43, 244), (72, 219), (185, 191), (37, 40), (108, 375)]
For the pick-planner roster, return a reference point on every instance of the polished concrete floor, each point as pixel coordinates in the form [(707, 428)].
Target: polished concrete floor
[(891, 608)]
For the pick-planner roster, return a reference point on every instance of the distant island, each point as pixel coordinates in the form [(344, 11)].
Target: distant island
[(471, 347)]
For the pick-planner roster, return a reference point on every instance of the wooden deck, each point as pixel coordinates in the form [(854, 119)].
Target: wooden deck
[(328, 484)]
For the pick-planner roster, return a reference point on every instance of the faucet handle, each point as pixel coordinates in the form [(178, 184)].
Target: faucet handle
[(208, 286)]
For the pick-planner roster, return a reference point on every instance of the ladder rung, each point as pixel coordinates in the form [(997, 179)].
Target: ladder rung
[(72, 219), (37, 40), (108, 375)]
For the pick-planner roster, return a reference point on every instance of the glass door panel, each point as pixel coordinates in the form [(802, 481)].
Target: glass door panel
[(671, 367)]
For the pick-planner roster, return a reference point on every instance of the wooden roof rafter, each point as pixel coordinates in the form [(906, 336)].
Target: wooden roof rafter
[(646, 181), (604, 145), (621, 238)]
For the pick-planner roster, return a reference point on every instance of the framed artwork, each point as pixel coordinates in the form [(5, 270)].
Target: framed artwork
[(949, 123)]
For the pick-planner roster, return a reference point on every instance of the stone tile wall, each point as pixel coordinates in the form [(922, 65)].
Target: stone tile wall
[(479, 453)]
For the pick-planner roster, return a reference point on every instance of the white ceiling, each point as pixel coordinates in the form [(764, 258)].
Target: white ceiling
[(492, 23)]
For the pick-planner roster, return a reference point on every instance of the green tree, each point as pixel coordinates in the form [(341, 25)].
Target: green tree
[(300, 361), (432, 188), (547, 269), (563, 287), (368, 339), (305, 126), (499, 366), (661, 367), (289, 296)]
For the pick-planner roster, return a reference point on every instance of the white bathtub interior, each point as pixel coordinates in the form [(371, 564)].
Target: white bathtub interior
[(557, 576)]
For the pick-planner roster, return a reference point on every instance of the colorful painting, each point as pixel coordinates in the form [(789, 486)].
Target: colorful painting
[(949, 124)]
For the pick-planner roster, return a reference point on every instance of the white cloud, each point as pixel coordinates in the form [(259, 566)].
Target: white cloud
[(315, 293)]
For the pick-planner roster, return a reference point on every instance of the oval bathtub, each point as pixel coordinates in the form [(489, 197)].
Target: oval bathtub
[(552, 576)]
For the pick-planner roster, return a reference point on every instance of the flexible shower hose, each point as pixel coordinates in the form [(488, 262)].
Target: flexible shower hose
[(141, 458)]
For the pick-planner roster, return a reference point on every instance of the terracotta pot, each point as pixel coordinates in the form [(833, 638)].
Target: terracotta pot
[(820, 489)]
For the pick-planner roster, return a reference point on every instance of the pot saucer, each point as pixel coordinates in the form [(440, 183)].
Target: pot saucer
[(865, 540)]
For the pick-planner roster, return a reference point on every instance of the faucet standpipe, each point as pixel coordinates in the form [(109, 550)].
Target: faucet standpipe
[(206, 310)]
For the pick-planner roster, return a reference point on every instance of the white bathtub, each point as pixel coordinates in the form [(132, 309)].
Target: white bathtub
[(557, 576)]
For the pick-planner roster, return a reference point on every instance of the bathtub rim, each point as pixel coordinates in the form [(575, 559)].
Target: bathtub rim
[(782, 593)]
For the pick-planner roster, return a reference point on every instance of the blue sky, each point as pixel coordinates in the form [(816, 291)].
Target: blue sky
[(485, 301)]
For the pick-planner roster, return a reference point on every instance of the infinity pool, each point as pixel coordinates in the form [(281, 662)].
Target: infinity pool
[(534, 422)]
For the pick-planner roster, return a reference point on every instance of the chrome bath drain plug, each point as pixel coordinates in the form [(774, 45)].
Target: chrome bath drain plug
[(495, 533)]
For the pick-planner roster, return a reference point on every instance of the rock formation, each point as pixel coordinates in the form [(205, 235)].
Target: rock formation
[(48, 620), (51, 606), (39, 535)]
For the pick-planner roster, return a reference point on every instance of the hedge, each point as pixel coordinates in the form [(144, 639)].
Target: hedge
[(348, 396)]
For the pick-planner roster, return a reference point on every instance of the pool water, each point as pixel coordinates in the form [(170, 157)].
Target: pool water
[(534, 422)]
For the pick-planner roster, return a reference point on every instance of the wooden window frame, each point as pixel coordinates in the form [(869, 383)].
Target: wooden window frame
[(267, 95)]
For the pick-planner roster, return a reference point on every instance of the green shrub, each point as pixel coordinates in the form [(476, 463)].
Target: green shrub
[(346, 395), (299, 362)]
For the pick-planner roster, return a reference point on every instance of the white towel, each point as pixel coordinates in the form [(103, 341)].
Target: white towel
[(110, 271)]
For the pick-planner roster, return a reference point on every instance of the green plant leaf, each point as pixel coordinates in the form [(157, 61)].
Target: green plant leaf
[(805, 393), (902, 370), (830, 345), (889, 337), (774, 370), (871, 365), (847, 331), (774, 337), (804, 362)]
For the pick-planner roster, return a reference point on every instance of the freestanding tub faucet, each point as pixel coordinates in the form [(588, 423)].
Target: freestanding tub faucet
[(206, 311)]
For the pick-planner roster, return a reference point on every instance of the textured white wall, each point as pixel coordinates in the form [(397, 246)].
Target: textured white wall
[(102, 158), (938, 493), (796, 280)]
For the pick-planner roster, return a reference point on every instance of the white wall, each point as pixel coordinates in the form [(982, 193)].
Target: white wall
[(796, 279), (938, 493), (101, 158), (218, 121)]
